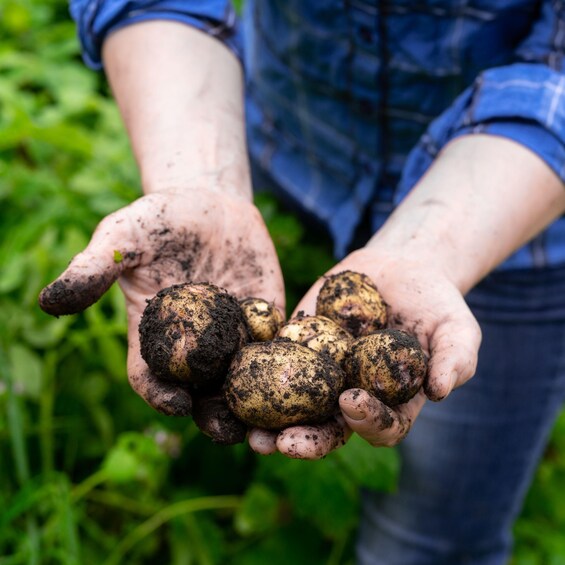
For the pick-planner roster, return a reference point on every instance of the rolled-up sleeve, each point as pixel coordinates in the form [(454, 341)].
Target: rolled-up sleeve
[(523, 101), (97, 18)]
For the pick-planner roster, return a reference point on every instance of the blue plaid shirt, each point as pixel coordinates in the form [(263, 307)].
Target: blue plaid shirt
[(349, 101)]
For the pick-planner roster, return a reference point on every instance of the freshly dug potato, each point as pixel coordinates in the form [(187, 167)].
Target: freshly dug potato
[(320, 334), (390, 364), (263, 318), (190, 333), (353, 301), (213, 417), (274, 385)]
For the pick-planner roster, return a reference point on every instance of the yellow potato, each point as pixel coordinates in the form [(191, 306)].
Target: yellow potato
[(274, 385), (320, 334), (390, 364), (263, 318), (352, 300), (211, 414), (190, 333)]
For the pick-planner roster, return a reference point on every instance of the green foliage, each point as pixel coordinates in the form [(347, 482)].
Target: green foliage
[(539, 531), (89, 473)]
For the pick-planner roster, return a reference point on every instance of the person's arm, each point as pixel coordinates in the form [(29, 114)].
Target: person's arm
[(483, 197), (472, 200), (180, 93)]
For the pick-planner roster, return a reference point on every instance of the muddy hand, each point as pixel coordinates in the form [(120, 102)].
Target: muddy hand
[(164, 239), (421, 302)]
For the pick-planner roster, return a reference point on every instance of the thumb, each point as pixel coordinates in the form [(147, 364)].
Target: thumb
[(91, 273)]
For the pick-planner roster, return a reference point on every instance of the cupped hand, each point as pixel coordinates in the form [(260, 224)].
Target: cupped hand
[(422, 301), (165, 239)]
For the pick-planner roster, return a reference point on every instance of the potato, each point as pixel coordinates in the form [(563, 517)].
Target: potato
[(274, 385), (318, 333), (352, 300), (263, 318), (390, 364), (212, 416), (190, 333)]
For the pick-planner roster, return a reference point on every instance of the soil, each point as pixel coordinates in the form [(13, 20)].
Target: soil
[(70, 296)]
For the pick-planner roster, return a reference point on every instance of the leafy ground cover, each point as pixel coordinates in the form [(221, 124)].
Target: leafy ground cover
[(90, 474)]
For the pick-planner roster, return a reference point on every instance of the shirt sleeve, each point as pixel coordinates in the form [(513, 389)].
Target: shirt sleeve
[(523, 101), (97, 18)]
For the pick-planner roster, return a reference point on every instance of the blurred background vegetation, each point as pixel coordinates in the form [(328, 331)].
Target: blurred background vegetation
[(89, 473)]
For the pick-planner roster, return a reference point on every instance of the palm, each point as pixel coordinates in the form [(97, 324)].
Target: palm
[(164, 239), (424, 303)]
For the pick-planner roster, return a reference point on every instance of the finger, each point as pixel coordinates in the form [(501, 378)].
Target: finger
[(169, 398), (454, 348), (91, 273), (374, 421), (263, 442), (313, 442)]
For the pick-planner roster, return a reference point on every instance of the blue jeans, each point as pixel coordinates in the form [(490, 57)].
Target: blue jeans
[(468, 461)]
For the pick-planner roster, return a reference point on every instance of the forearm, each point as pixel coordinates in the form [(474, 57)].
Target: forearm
[(482, 199), (180, 93)]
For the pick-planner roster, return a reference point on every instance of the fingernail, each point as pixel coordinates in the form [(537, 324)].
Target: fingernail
[(353, 413)]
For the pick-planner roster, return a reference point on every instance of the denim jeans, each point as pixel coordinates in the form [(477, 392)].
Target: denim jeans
[(468, 461)]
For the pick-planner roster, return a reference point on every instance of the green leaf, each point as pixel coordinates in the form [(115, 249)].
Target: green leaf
[(318, 490), (376, 468), (258, 511), (135, 458), (27, 370), (118, 257)]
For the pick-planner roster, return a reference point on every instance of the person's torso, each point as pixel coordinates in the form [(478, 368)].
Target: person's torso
[(340, 91)]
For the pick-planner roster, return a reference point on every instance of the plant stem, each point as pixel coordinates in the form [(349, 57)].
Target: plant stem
[(87, 485), (19, 451), (46, 413), (167, 514)]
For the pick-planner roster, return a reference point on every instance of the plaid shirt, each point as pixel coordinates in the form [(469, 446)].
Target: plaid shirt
[(349, 101)]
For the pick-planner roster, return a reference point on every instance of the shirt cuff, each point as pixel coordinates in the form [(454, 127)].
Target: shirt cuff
[(98, 18), (523, 102)]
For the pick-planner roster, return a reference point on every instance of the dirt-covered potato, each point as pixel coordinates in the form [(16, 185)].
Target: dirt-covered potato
[(263, 318), (274, 385), (213, 417), (190, 333), (353, 301), (320, 334), (390, 364)]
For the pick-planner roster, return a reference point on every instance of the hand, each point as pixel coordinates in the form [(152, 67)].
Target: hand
[(423, 302), (164, 239)]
